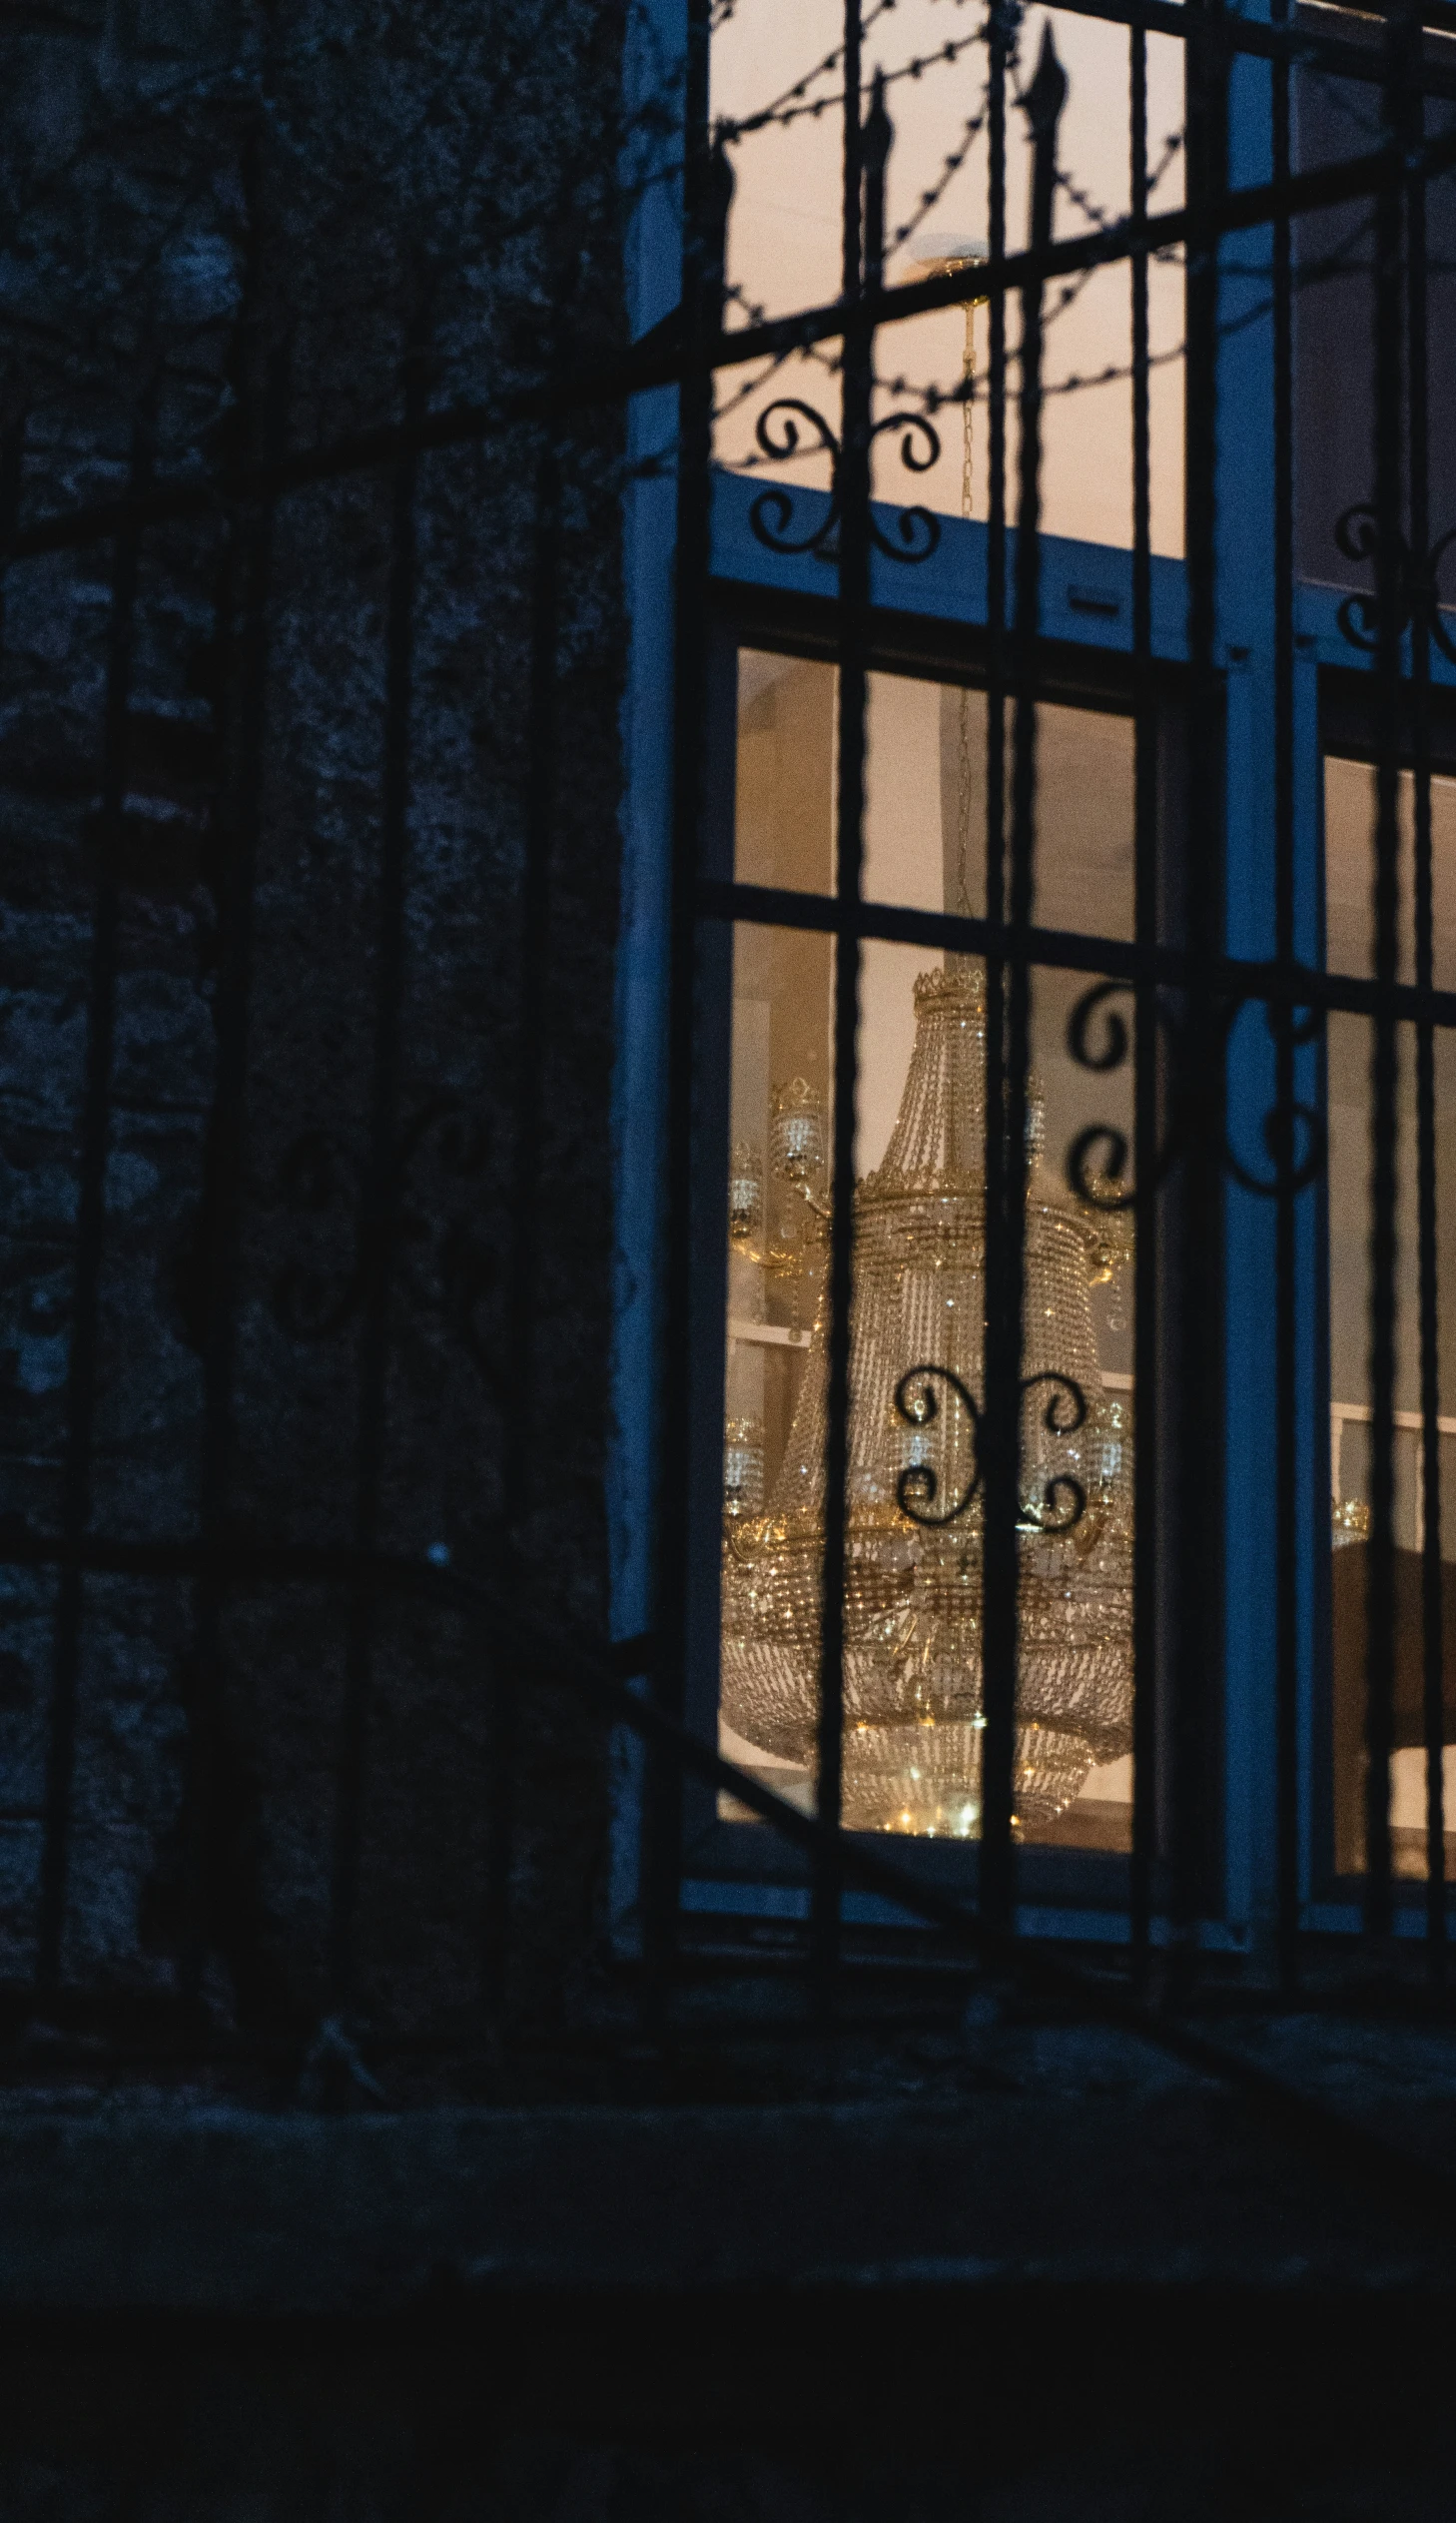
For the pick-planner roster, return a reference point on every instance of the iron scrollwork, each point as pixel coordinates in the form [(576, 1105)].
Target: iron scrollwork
[(443, 1264), (772, 513), (1417, 582), (1295, 1135), (916, 1489), (1064, 1389), (1103, 1185), (918, 1485), (1283, 1128)]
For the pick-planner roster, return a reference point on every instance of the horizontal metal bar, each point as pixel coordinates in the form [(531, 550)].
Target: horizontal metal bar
[(1067, 950), (1160, 17), (1253, 206), (666, 362), (1343, 56)]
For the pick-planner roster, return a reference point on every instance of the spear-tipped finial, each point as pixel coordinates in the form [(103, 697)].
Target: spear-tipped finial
[(716, 205), (879, 130), (1042, 104), (874, 153), (1044, 98), (720, 183)]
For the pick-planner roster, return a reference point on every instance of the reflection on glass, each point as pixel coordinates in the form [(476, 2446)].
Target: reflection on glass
[(1349, 816), (913, 1608), (1349, 804), (784, 245)]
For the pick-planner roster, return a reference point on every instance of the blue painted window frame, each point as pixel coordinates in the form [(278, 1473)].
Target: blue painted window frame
[(949, 589)]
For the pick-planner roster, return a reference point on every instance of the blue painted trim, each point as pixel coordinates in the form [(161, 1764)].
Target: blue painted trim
[(1347, 1918), (1078, 579), (1086, 601), (739, 1900), (653, 62), (1320, 639), (789, 1901)]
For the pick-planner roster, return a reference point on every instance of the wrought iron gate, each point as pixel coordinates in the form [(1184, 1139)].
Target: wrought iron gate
[(419, 1224)]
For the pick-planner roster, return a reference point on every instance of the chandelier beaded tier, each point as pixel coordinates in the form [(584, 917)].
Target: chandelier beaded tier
[(912, 1611)]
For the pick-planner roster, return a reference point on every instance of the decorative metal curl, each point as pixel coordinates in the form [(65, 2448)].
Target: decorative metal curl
[(1418, 595), (1279, 1129), (1305, 1028), (917, 429), (1062, 1387), (1118, 1041), (918, 530), (918, 1487), (772, 511), (771, 514), (1098, 1185), (316, 1180), (443, 1267), (1099, 1188)]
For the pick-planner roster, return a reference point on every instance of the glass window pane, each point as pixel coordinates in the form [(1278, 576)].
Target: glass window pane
[(1350, 802), (1349, 817), (925, 796), (784, 807), (913, 1605), (784, 252)]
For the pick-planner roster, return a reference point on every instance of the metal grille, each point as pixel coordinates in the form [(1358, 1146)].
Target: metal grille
[(1175, 1003), (428, 1186)]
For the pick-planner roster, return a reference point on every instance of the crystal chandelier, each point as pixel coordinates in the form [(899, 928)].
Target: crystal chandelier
[(913, 1689)]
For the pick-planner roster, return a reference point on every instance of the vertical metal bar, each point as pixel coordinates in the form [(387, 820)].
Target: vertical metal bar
[(379, 1200), (11, 475), (1429, 1455), (706, 190), (242, 666), (95, 1135), (995, 1896), (542, 738), (865, 154), (1146, 920), (1286, 1677), (1389, 594), (1196, 1677), (1043, 102), (238, 674)]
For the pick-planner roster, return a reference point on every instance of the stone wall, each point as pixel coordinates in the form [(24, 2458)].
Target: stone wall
[(352, 1281)]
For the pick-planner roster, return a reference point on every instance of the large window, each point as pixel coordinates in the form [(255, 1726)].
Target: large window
[(1060, 1519), (912, 1594)]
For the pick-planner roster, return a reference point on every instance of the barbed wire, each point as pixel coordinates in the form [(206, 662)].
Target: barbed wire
[(783, 112), (1103, 219), (755, 461), (960, 392), (935, 399), (977, 391), (652, 115), (955, 161), (755, 385), (731, 130), (789, 98)]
